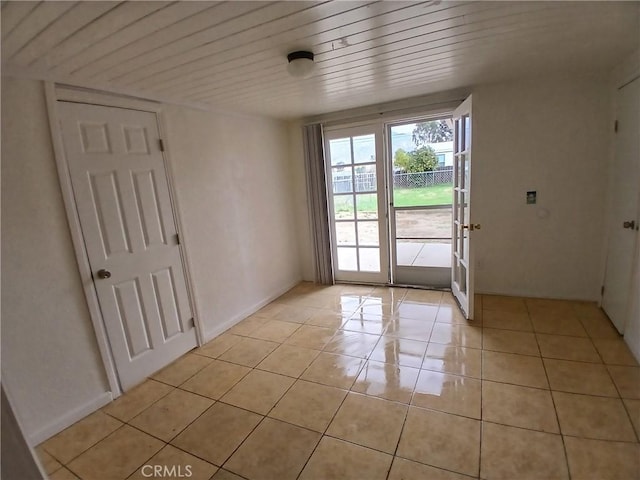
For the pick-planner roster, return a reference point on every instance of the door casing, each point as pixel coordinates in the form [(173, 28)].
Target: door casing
[(54, 93)]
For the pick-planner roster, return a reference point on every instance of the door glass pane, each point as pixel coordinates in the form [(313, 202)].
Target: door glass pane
[(467, 132), (365, 178), (456, 237), (462, 170), (347, 259), (466, 171), (459, 244), (369, 259), (340, 151), (463, 279), (364, 149), (459, 143), (343, 207), (345, 233), (465, 245), (368, 233), (342, 179), (464, 203), (367, 206)]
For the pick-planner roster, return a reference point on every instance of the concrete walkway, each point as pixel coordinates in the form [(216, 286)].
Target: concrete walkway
[(424, 254)]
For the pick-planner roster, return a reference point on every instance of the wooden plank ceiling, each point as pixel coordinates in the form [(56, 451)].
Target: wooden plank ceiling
[(232, 55)]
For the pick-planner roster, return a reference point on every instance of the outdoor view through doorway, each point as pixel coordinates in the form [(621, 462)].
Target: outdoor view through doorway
[(422, 187)]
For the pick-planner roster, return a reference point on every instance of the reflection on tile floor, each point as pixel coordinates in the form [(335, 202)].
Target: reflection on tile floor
[(355, 382)]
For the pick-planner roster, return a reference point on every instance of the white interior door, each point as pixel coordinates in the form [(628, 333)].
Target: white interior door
[(122, 197), (462, 235), (355, 184), (623, 207)]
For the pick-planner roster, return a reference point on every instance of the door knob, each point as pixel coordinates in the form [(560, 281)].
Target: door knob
[(631, 224), (104, 273)]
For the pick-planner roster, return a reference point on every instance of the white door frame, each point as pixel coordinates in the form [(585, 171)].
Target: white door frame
[(54, 93)]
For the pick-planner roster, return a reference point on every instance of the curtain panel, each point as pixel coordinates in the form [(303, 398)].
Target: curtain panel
[(318, 209)]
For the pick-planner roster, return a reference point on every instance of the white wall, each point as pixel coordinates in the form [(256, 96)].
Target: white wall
[(50, 362), (552, 136), (233, 182), (233, 179)]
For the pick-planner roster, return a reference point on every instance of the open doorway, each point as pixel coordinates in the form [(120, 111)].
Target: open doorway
[(420, 163)]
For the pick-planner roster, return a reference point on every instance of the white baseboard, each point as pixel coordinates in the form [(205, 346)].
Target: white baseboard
[(227, 324), (68, 419), (530, 294)]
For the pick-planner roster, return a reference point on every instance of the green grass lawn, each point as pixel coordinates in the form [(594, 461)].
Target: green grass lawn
[(404, 197), (425, 196)]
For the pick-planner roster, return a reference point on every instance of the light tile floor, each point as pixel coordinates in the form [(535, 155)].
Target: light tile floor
[(354, 382)]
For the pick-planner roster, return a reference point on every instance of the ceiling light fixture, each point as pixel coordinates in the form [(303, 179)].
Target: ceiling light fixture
[(300, 64)]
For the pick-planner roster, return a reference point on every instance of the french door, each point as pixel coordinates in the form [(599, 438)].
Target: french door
[(462, 252), (370, 224), (357, 206)]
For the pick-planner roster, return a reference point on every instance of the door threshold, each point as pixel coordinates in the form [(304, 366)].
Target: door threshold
[(420, 287), (396, 285)]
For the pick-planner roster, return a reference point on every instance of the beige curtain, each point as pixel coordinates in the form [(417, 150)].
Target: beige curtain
[(317, 195)]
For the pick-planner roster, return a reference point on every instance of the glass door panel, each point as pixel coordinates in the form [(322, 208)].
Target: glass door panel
[(355, 179)]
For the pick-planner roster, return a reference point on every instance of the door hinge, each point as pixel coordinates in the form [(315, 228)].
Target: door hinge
[(615, 126), (602, 290), (161, 144), (191, 323), (177, 239)]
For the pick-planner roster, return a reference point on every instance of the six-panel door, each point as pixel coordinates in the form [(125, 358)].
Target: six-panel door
[(122, 197)]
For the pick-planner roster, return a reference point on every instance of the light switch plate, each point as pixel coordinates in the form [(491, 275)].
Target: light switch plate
[(531, 197)]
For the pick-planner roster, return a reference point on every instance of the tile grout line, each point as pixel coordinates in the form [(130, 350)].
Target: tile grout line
[(271, 409), (263, 416), (553, 401), (111, 433), (324, 433), (66, 465), (404, 422), (606, 366)]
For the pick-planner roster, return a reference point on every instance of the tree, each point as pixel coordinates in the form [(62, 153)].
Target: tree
[(431, 132), (421, 160), (401, 159)]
